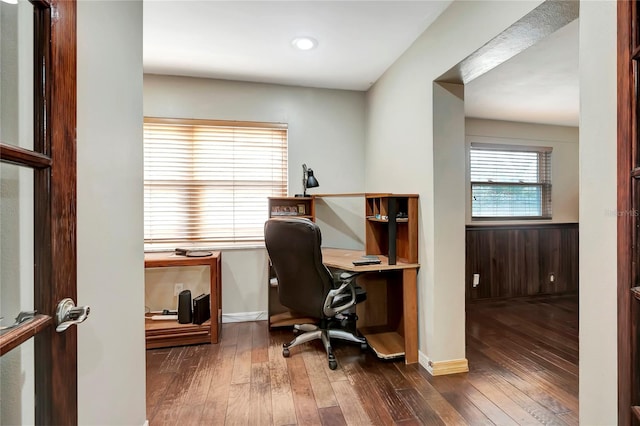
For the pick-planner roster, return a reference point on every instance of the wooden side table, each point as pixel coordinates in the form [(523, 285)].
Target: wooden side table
[(160, 334)]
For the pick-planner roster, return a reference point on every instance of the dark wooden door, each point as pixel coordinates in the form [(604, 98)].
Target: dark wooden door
[(53, 161), (628, 220)]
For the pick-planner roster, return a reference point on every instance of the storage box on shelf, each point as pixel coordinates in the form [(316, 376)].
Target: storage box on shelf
[(161, 334), (280, 316)]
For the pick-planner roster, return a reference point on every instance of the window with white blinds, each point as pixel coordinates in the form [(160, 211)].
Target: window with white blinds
[(510, 182), (206, 182)]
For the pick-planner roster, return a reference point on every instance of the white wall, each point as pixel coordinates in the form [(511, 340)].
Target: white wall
[(598, 162), (443, 308), (111, 343), (564, 159), (401, 116), (326, 131), (341, 220), (401, 157)]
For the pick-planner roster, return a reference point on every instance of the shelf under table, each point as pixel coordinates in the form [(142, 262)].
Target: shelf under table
[(386, 344), (161, 334)]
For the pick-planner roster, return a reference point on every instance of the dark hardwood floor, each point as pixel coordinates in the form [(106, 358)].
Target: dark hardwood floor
[(523, 358)]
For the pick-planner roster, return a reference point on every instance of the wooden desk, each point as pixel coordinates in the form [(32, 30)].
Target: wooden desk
[(161, 334), (389, 317)]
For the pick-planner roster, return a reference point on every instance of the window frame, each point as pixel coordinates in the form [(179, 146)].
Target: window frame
[(544, 182)]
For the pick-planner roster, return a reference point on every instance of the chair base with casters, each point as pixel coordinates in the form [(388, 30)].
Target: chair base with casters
[(325, 332)]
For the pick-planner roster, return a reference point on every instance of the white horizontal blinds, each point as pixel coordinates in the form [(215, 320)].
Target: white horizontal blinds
[(510, 181), (207, 182)]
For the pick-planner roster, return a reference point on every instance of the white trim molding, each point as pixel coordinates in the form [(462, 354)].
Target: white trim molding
[(244, 317), (441, 368)]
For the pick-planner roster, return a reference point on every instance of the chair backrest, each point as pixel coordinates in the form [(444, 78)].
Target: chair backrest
[(293, 245)]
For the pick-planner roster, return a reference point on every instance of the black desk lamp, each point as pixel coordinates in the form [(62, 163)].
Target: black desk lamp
[(308, 180)]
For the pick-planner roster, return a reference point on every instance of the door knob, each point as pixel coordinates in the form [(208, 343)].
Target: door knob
[(68, 314)]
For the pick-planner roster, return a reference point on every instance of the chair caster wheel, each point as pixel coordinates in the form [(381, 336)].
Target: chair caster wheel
[(332, 361), (363, 346), (285, 352)]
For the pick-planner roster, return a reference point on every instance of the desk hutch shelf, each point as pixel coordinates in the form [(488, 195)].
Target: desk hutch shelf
[(392, 227), (388, 318), (292, 207), (160, 334)]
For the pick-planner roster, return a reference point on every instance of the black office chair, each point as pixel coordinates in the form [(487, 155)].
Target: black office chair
[(307, 287)]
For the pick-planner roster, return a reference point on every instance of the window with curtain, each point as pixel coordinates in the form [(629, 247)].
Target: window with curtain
[(206, 182), (510, 182)]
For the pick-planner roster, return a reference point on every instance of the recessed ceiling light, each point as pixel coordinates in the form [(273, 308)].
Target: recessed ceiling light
[(304, 43)]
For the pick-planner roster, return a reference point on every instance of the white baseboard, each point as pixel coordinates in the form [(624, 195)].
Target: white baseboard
[(441, 368), (423, 360), (244, 317)]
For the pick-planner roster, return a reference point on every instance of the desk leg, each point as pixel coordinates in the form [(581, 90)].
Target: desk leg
[(410, 313)]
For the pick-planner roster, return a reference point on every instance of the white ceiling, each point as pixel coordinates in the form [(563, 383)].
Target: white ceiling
[(358, 41), (251, 40), (539, 85)]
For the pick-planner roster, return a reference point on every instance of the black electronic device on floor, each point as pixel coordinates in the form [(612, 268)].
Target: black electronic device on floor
[(184, 307), (201, 308)]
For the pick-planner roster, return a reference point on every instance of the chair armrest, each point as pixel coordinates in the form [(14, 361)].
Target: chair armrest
[(348, 276), (346, 286)]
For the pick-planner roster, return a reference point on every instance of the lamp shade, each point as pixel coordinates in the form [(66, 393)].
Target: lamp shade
[(312, 182)]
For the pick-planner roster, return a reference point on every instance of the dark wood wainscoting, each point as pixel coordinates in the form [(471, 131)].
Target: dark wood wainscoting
[(521, 260)]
